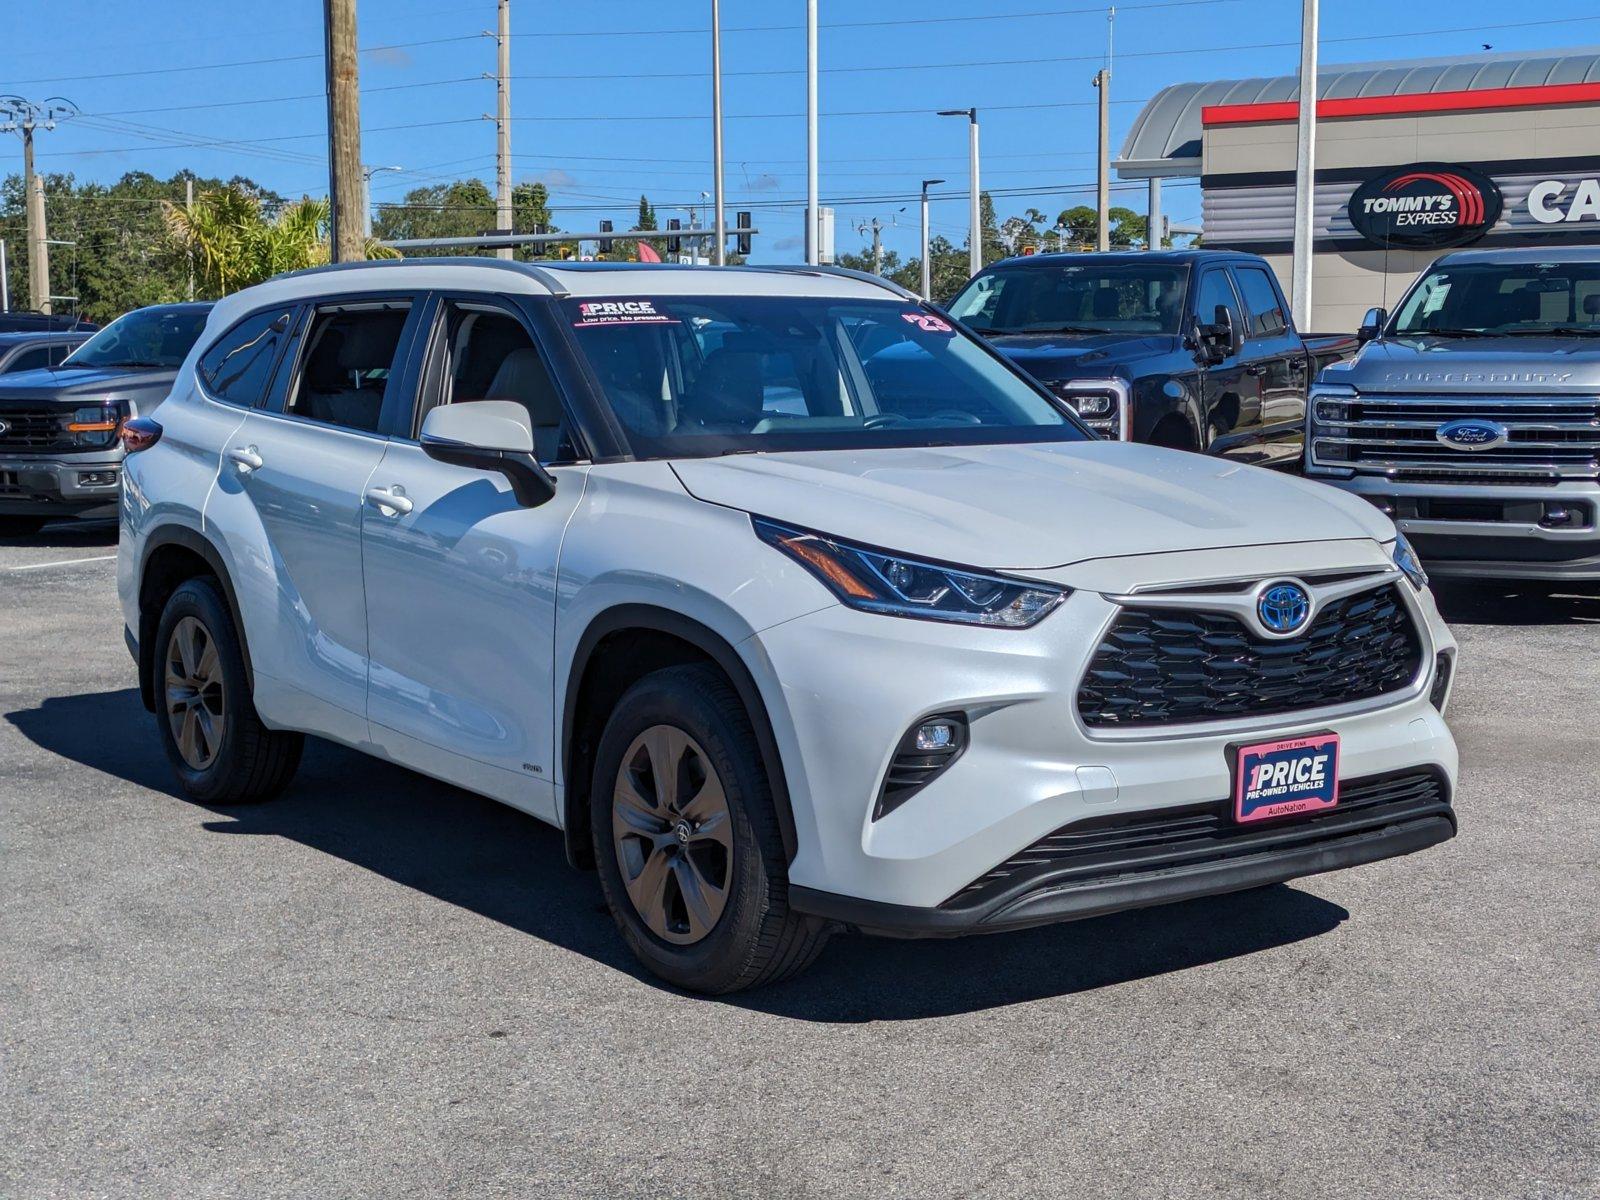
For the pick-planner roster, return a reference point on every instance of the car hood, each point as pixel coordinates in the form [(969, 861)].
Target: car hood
[(74, 383), (1508, 365), (1023, 507), (1053, 356)]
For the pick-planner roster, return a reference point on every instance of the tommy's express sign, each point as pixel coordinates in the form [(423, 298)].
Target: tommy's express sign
[(1425, 206)]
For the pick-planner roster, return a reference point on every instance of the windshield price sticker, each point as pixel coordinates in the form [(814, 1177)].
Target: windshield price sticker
[(620, 312), (928, 323)]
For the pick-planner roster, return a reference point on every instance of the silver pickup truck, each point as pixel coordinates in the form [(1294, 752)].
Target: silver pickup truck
[(1472, 415)]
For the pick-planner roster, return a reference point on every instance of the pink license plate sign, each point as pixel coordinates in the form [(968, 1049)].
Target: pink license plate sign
[(1286, 778)]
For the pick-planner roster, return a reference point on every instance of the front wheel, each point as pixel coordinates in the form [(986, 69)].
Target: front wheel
[(214, 739), (686, 838)]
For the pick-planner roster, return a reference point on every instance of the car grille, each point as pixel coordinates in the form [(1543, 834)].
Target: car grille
[(1120, 844), (30, 430), (1551, 438), (1172, 666)]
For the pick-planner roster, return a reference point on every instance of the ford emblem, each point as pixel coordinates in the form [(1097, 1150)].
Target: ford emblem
[(1473, 435), (3, 428), (1284, 608)]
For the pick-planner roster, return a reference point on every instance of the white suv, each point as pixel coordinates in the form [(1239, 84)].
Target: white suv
[(789, 601)]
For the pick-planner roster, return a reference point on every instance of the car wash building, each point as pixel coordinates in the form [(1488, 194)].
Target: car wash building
[(1413, 158)]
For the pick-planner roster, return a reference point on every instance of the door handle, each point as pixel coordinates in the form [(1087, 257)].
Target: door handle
[(390, 501), (246, 459), (1256, 369)]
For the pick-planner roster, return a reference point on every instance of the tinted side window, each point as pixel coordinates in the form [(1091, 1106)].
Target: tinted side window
[(30, 360), (237, 366), (1261, 298), (1213, 291), (348, 358)]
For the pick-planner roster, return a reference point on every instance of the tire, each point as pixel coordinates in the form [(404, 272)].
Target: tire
[(21, 526), (691, 716), (215, 741)]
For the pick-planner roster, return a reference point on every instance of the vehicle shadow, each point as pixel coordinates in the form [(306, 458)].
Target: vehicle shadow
[(68, 534), (1510, 602), (508, 867)]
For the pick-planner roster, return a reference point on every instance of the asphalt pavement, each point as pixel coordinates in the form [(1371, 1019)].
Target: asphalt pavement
[(379, 986)]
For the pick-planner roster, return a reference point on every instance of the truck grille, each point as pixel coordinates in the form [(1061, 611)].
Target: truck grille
[(1550, 438), (1120, 844), (31, 430), (1175, 666)]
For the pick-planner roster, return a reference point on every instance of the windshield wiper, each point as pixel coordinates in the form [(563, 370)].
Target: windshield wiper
[(1464, 333), (1557, 331), (127, 362)]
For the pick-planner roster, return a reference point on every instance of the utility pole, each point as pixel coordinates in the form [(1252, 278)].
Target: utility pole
[(1305, 171), (502, 128), (5, 280), (344, 132), (927, 267), (813, 202), (24, 117), (877, 244), (188, 209), (720, 252), (975, 236), (1102, 80)]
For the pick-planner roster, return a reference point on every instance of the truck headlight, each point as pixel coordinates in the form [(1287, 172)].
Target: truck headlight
[(95, 425), (1329, 411), (1104, 405), (882, 582)]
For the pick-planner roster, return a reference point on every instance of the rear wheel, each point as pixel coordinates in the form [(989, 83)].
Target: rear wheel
[(214, 739), (17, 526), (686, 838)]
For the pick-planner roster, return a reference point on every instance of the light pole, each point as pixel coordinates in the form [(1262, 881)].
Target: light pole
[(927, 267), (720, 254), (502, 126), (813, 216), (1305, 172), (366, 198), (975, 237)]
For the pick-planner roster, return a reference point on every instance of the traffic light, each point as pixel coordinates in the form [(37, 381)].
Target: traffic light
[(605, 243), (674, 244), (742, 243)]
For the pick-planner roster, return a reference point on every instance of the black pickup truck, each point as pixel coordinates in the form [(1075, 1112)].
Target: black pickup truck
[(1187, 348)]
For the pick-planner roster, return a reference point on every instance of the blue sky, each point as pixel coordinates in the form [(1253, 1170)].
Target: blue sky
[(613, 99)]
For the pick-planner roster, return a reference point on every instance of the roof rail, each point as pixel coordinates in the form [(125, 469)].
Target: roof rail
[(548, 278), (888, 285)]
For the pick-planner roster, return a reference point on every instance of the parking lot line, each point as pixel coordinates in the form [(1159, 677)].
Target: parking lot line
[(65, 562)]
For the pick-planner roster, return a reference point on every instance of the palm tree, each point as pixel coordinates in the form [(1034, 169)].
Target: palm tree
[(236, 244)]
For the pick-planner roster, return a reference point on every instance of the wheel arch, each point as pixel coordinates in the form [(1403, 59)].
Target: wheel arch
[(171, 555), (652, 638)]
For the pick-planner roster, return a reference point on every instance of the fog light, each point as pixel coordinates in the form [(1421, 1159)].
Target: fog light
[(925, 751), (96, 478), (936, 735), (1555, 515), (1439, 694)]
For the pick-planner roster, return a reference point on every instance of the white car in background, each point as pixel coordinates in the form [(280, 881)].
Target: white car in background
[(790, 602)]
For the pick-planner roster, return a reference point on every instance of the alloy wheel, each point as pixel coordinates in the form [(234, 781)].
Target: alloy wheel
[(672, 833), (194, 693)]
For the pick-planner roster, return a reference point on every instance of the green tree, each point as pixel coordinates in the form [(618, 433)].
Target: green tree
[(1082, 223), (463, 208), (989, 229)]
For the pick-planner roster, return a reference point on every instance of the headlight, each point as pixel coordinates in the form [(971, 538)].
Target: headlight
[(1405, 557), (881, 582), (1328, 414), (96, 425), (1104, 405)]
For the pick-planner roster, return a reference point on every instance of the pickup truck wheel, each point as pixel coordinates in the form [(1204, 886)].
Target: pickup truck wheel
[(214, 739), (21, 526), (686, 838)]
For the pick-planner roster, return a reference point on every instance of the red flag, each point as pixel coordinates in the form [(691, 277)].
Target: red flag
[(647, 253)]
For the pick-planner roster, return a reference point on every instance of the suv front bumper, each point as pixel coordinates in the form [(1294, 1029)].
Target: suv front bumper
[(61, 485)]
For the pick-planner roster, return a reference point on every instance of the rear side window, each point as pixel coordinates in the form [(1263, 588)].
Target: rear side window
[(237, 366), (1261, 298), (346, 365), (29, 360)]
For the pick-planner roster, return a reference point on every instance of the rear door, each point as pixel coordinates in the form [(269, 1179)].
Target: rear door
[(1232, 395), (1275, 356), (289, 503), (461, 580)]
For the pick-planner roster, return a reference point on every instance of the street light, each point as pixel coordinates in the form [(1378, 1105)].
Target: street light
[(366, 197), (720, 252), (975, 237), (927, 269)]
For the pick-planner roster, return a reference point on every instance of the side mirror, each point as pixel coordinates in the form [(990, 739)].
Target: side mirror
[(490, 435), (1372, 325), (1221, 338)]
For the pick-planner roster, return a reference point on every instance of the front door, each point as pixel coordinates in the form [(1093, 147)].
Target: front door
[(1275, 356), (461, 580), (1232, 394), (289, 502)]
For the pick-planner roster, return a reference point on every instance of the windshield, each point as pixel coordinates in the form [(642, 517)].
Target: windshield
[(1093, 297), (146, 337), (705, 375), (1503, 299)]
